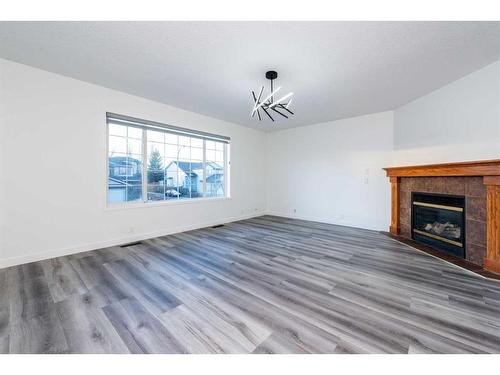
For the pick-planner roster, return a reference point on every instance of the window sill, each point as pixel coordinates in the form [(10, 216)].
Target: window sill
[(126, 206)]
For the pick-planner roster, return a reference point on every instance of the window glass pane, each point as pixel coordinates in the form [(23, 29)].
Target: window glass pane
[(171, 151), (134, 179), (215, 172), (171, 179), (185, 153), (196, 154), (156, 136), (215, 180), (186, 141), (185, 179), (171, 138), (196, 142), (117, 145), (135, 133), (219, 146), (117, 130), (155, 146), (134, 146), (196, 186), (210, 155), (210, 145), (156, 171)]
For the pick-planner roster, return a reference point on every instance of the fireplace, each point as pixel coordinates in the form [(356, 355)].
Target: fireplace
[(438, 220), (477, 181)]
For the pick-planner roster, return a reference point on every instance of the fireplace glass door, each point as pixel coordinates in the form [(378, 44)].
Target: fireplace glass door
[(438, 220)]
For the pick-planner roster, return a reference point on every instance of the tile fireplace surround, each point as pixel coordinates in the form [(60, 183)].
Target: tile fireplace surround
[(478, 181)]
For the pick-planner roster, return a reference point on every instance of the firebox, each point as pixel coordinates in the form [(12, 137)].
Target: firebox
[(438, 220)]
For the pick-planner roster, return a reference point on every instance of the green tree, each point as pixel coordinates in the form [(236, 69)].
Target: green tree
[(155, 167)]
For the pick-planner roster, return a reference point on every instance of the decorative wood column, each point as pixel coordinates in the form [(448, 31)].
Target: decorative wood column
[(395, 227), (492, 259)]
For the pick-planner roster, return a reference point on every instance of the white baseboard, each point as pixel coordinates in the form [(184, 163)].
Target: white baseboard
[(327, 221), (14, 261)]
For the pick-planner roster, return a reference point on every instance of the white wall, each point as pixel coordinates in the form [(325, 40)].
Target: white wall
[(332, 172), (459, 122), (53, 168)]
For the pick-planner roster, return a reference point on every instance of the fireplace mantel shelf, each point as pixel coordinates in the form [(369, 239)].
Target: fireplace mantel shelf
[(468, 168), (488, 169)]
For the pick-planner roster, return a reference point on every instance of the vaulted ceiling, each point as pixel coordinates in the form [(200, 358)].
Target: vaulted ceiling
[(335, 69)]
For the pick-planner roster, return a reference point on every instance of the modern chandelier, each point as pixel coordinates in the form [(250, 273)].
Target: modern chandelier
[(269, 105)]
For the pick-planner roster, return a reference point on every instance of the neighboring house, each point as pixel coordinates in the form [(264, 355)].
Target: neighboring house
[(117, 190), (124, 179), (215, 183), (188, 176)]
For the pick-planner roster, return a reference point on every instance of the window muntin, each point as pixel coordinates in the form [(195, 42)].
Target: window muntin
[(152, 165)]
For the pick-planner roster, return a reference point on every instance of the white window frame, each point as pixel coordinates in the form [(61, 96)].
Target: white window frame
[(173, 130)]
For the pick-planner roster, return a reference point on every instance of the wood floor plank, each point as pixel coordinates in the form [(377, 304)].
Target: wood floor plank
[(100, 283), (86, 327), (140, 330), (143, 286), (62, 279), (41, 333), (198, 335), (276, 344)]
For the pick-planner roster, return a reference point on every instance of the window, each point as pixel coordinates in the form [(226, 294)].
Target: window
[(151, 162)]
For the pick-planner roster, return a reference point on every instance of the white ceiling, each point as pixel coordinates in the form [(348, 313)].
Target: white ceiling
[(335, 69)]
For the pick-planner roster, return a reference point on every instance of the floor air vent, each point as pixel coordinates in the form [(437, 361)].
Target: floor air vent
[(131, 244)]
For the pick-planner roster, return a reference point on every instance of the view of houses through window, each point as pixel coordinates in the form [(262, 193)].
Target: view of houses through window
[(177, 166)]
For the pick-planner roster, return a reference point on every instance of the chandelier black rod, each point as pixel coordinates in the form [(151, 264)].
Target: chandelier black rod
[(272, 90), (267, 113), (275, 110), (286, 109)]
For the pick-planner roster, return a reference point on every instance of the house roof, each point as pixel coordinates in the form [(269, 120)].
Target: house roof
[(189, 167), (122, 160), (115, 183), (217, 177)]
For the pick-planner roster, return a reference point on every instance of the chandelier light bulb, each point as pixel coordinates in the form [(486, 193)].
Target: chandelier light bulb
[(280, 100)]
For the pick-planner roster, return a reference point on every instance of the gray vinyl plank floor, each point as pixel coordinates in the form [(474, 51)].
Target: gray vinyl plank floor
[(263, 285)]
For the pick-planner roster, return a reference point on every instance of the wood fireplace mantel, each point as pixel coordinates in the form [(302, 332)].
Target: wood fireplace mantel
[(468, 168), (488, 169)]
